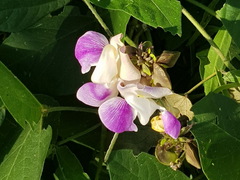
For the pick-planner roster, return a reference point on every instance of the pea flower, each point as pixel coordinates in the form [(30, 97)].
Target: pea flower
[(114, 73)]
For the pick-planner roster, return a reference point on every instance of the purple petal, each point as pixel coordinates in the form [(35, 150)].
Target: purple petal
[(117, 115), (89, 48), (94, 94), (171, 124)]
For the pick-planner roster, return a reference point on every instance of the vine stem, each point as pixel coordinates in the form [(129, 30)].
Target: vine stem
[(79, 134), (208, 38), (110, 148), (205, 8), (104, 26), (67, 108), (200, 83)]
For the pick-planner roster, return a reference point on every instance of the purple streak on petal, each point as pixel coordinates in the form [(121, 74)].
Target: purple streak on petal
[(93, 94), (171, 124), (153, 92), (117, 115), (89, 48)]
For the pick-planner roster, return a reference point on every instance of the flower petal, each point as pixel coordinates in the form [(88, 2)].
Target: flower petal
[(171, 124), (106, 69), (153, 92), (128, 71), (89, 48), (144, 107), (117, 115), (95, 94), (116, 41)]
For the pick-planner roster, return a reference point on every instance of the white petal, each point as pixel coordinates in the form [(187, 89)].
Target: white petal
[(128, 71), (106, 69), (144, 107), (116, 41)]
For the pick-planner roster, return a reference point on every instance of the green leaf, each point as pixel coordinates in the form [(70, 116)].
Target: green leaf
[(124, 165), (157, 13), (218, 137), (230, 16), (26, 158), (69, 166), (42, 56), (115, 20), (232, 76), (19, 15), (223, 40), (19, 101)]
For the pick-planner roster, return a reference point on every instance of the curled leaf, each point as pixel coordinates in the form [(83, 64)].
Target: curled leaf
[(192, 155), (182, 103), (168, 58)]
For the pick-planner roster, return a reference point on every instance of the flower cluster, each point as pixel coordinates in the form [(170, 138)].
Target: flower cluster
[(116, 87)]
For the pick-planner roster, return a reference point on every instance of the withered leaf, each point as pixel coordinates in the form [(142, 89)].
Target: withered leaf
[(192, 155), (168, 58), (182, 103), (160, 76)]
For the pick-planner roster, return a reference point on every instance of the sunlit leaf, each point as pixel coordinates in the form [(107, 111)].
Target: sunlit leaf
[(19, 15), (156, 13), (27, 156), (230, 16), (18, 100), (232, 76), (123, 164), (223, 40)]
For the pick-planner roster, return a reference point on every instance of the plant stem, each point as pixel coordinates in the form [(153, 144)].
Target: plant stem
[(129, 41), (205, 8), (67, 108), (200, 83), (110, 148), (109, 33), (101, 154), (79, 134), (208, 38)]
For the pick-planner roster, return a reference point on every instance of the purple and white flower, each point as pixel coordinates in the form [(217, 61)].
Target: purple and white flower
[(114, 73)]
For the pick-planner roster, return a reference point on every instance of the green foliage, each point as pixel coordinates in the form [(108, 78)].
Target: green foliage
[(69, 166), (39, 78), (19, 101), (124, 165), (218, 137), (26, 158), (229, 15), (162, 13), (19, 15)]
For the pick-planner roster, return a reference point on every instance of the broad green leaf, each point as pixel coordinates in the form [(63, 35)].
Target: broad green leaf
[(19, 15), (69, 166), (223, 40), (218, 137), (230, 16), (42, 56), (157, 13), (115, 20), (26, 158), (123, 164), (18, 100)]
